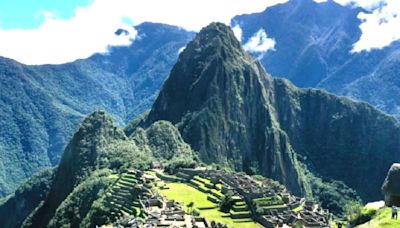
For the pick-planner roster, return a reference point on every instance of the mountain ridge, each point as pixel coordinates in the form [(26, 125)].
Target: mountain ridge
[(41, 104)]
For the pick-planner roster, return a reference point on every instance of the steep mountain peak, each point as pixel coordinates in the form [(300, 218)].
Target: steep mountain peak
[(81, 153), (211, 66), (217, 34), (216, 41), (219, 98), (78, 161)]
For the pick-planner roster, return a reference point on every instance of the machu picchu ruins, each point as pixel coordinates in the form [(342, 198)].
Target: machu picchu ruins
[(143, 199)]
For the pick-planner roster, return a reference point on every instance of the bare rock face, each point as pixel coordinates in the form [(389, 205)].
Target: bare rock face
[(391, 186)]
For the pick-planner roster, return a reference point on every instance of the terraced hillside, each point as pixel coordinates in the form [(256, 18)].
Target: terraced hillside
[(123, 197)]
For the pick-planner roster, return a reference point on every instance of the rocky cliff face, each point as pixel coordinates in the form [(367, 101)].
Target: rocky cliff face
[(234, 114), (339, 138)]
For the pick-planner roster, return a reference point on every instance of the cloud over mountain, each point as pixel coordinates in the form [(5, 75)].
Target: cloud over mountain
[(379, 24), (91, 29)]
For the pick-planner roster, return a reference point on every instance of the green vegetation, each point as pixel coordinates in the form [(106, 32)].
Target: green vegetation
[(79, 201), (119, 200), (186, 194), (97, 149), (41, 106), (332, 195), (227, 202), (268, 201), (382, 219), (356, 214), (163, 142), (15, 208), (262, 205)]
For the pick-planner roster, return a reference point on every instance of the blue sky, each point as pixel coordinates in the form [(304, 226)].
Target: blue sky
[(60, 31), (27, 14)]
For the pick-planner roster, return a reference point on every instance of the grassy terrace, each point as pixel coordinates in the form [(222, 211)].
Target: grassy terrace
[(185, 193)]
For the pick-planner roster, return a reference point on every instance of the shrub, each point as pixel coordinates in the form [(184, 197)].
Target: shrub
[(357, 215), (195, 212), (227, 202)]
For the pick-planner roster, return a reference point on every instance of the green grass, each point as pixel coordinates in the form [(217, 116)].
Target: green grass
[(382, 219), (150, 172), (298, 209), (218, 186), (203, 180), (184, 193), (268, 201), (197, 183), (217, 193), (113, 176)]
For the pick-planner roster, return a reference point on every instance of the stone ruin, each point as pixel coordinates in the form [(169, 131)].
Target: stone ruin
[(247, 188)]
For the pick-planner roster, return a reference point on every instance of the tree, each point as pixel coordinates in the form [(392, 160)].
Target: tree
[(227, 202)]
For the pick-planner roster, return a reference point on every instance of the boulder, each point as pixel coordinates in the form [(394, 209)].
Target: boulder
[(391, 186)]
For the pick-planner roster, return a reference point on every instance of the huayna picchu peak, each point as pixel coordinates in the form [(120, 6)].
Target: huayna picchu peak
[(224, 143)]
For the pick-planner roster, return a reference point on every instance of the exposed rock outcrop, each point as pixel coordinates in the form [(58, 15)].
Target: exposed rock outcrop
[(391, 186)]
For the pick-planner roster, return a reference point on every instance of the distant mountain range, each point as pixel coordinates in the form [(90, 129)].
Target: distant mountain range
[(313, 49), (41, 105), (219, 108)]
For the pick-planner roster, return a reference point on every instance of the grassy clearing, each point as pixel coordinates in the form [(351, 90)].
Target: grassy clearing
[(382, 219), (184, 193)]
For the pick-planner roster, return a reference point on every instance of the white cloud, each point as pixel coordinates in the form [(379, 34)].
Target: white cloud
[(181, 49), (238, 32), (91, 29), (366, 4), (319, 1), (57, 41), (259, 43), (380, 26)]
